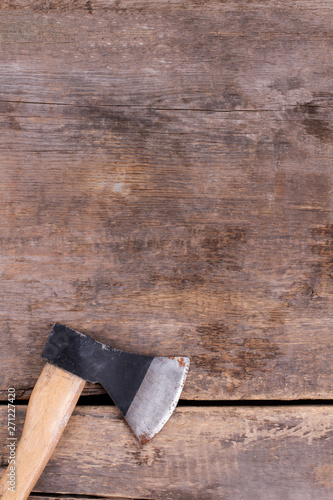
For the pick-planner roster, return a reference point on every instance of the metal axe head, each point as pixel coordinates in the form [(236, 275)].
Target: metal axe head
[(146, 389)]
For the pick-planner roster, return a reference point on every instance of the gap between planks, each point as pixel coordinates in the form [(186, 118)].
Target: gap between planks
[(105, 400)]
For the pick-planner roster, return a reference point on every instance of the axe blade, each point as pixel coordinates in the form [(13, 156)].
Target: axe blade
[(146, 389)]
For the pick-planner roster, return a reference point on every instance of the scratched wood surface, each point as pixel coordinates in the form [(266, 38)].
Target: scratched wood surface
[(202, 453), (166, 185)]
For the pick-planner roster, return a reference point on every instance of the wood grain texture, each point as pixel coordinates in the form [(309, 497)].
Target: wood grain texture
[(202, 453), (154, 54), (166, 186), (47, 6)]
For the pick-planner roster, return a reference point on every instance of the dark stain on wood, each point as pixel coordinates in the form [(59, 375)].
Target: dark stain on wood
[(89, 6), (309, 108), (147, 457), (313, 124), (14, 123), (322, 246), (216, 244), (324, 234), (283, 85), (203, 252), (179, 263), (113, 119), (319, 128), (239, 357)]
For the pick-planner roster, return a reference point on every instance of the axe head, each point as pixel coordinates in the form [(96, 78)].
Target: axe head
[(146, 389)]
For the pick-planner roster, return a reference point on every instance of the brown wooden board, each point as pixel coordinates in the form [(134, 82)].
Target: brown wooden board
[(166, 186), (48, 6), (162, 232), (202, 453), (179, 56)]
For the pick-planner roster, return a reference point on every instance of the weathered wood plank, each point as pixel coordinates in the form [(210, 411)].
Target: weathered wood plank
[(212, 57), (202, 453), (171, 230), (122, 5), (194, 233)]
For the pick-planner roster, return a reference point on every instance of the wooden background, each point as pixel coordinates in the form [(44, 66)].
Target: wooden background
[(166, 186)]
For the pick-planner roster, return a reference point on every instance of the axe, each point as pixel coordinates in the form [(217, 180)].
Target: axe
[(146, 389)]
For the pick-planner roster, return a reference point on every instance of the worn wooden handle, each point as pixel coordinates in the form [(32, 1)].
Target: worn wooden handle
[(50, 406)]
